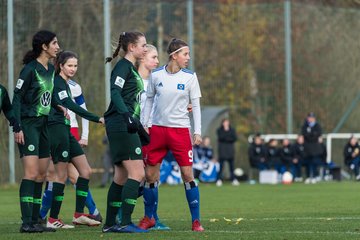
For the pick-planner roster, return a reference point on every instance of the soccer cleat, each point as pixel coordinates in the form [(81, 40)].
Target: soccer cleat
[(146, 222), (235, 182), (160, 226), (219, 183), (131, 228), (298, 179), (44, 228), (57, 223), (96, 217), (114, 228), (84, 219), (42, 220), (30, 228), (196, 226)]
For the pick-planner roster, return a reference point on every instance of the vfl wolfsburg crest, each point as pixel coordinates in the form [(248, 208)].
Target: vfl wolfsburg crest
[(138, 150), (65, 154), (45, 99), (31, 148)]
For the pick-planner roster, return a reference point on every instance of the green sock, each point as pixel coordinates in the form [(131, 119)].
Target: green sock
[(113, 203), (58, 196), (82, 188), (129, 198), (26, 200), (37, 201)]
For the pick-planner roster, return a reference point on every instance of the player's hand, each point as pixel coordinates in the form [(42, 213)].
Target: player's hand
[(83, 142), (102, 120), (19, 137), (147, 130), (64, 110), (189, 108), (132, 125), (197, 139)]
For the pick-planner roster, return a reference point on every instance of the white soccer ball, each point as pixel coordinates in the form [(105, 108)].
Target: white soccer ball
[(287, 178), (238, 172)]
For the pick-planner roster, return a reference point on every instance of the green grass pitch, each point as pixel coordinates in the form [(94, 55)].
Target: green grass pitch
[(296, 211)]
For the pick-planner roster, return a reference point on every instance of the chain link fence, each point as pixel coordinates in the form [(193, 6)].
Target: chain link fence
[(239, 56)]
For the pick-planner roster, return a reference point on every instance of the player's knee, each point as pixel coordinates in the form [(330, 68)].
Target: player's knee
[(151, 178), (152, 174), (139, 176), (187, 178), (31, 173), (72, 180), (41, 177), (61, 179), (85, 173), (50, 176), (187, 174), (61, 176)]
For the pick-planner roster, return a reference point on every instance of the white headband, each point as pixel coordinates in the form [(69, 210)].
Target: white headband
[(178, 50)]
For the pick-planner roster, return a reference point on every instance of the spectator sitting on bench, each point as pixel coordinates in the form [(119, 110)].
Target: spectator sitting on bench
[(273, 156), (351, 156), (257, 154), (298, 160)]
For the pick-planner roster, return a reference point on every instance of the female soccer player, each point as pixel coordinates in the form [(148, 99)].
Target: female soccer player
[(169, 91), (73, 174), (149, 62), (65, 148), (122, 124), (32, 104)]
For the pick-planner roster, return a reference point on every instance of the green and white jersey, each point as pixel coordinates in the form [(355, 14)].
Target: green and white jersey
[(5, 104), (62, 95), (33, 91), (126, 87)]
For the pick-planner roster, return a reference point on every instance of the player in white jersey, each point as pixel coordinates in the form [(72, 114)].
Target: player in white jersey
[(171, 88), (78, 97), (73, 174)]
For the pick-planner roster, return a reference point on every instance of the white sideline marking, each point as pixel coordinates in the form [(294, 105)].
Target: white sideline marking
[(243, 232), (206, 220), (272, 232), (203, 220)]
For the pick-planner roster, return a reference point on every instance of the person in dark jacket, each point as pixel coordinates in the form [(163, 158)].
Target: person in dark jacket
[(352, 155), (287, 154), (273, 156), (299, 155), (311, 130), (257, 154), (226, 139)]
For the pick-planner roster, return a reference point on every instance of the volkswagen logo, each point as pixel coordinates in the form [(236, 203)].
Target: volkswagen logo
[(45, 99)]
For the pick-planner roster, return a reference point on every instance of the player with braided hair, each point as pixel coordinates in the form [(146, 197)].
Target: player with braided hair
[(122, 126)]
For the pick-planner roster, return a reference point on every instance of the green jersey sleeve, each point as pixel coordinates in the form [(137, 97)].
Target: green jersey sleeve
[(62, 95), (21, 87), (118, 78), (6, 104)]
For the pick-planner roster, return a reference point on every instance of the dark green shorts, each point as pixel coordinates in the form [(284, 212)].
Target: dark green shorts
[(124, 146), (36, 136), (63, 145)]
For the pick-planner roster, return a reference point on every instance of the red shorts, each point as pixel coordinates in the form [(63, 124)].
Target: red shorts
[(163, 139), (75, 132)]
